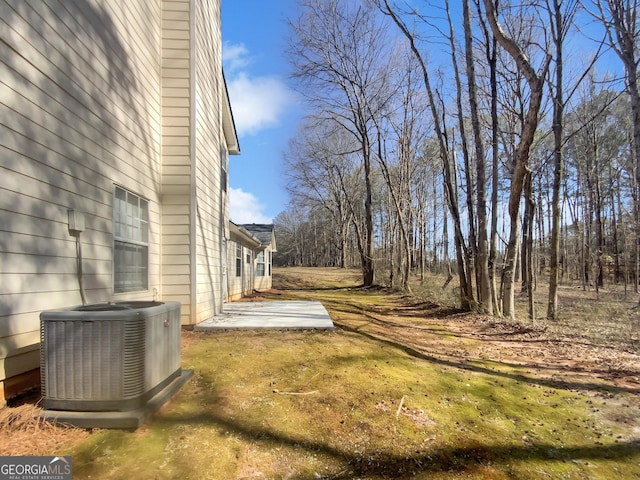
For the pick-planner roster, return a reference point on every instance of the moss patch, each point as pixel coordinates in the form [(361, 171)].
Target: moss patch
[(392, 393)]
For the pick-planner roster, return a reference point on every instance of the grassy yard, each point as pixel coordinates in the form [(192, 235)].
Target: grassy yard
[(403, 388)]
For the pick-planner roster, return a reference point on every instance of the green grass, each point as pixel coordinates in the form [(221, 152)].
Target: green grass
[(461, 418)]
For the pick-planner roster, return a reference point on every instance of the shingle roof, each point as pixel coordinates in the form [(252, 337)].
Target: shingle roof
[(261, 231)]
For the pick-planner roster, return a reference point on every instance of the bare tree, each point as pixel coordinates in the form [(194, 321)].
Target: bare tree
[(337, 51), (466, 292), (318, 162), (561, 18), (485, 303), (535, 82), (491, 57), (398, 137), (620, 19)]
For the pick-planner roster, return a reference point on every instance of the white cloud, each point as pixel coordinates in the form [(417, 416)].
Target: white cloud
[(235, 56), (257, 102), (246, 208)]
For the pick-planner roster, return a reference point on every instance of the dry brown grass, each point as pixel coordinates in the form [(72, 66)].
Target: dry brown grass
[(23, 432), (607, 318)]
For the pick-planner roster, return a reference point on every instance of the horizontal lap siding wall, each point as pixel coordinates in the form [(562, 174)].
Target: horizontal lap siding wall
[(79, 112), (238, 286), (210, 199), (264, 282), (177, 212)]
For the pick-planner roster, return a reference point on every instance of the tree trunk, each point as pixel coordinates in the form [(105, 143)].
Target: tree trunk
[(472, 250), (452, 199), (599, 274), (508, 284), (527, 245), (367, 260), (481, 250), (558, 165), (614, 230), (536, 84), (492, 59)]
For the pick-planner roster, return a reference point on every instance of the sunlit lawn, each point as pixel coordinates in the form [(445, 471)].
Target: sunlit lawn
[(354, 404)]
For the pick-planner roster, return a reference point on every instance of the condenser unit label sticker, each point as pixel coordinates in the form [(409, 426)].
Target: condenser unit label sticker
[(35, 468)]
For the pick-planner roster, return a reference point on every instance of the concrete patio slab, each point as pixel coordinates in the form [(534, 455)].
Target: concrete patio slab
[(274, 315)]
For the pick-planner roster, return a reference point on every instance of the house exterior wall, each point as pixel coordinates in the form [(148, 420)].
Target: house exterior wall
[(178, 232), (96, 94), (238, 286), (264, 282), (209, 155), (249, 280), (80, 109), (194, 205)]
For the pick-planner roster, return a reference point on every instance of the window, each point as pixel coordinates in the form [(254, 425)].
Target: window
[(269, 263), (224, 175), (223, 178), (260, 264), (238, 260), (130, 242)]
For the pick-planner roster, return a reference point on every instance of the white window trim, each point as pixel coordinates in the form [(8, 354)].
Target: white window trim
[(117, 238), (261, 262)]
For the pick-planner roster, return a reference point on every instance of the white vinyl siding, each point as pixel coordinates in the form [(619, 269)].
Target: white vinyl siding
[(263, 280), (210, 200), (238, 260), (95, 94), (79, 111), (240, 271), (178, 266)]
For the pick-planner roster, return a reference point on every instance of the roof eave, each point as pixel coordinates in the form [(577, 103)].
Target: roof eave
[(228, 124), (238, 233)]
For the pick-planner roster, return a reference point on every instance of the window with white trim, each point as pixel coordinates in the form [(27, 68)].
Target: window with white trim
[(238, 260), (130, 242), (260, 264)]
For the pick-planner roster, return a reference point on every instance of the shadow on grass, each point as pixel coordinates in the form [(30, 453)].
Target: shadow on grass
[(517, 329), (309, 287), (454, 459), (464, 365)]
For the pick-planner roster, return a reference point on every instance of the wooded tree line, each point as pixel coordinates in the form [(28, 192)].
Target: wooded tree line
[(502, 153)]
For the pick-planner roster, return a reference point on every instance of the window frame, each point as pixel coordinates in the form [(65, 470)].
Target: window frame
[(238, 259), (132, 231), (260, 264)]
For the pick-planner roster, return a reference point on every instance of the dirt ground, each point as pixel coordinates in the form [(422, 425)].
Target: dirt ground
[(541, 350), (571, 351)]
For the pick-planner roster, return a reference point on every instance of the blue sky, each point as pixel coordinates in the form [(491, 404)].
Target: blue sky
[(266, 110)]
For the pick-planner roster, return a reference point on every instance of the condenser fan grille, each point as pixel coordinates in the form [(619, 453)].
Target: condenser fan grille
[(108, 359)]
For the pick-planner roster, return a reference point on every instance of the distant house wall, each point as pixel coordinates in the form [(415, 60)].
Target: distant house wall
[(264, 282), (240, 260), (80, 112), (263, 255), (234, 282), (238, 285)]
